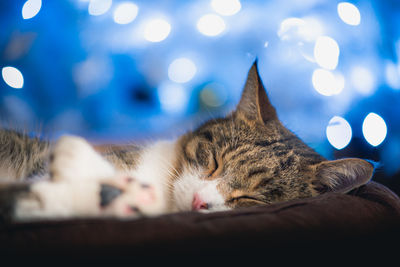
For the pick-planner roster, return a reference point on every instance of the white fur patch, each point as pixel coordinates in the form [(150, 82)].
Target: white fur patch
[(78, 172), (75, 159), (189, 184), (60, 200), (155, 167)]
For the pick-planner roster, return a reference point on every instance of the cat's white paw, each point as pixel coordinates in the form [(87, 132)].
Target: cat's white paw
[(74, 159), (119, 196), (61, 199), (84, 184), (127, 197)]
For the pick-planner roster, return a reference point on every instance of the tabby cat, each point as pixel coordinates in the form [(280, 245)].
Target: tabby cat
[(245, 159)]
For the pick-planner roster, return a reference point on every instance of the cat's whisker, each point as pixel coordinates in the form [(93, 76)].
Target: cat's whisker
[(266, 163)]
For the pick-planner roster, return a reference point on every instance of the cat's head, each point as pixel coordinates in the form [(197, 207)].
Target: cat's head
[(249, 158)]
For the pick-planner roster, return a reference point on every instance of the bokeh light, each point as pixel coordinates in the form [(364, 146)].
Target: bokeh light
[(181, 70), (99, 7), (173, 97), (12, 77), (374, 129), (211, 25), (392, 75), (125, 13), (299, 29), (31, 8), (226, 7), (137, 69), (326, 83), (157, 30), (213, 95), (289, 27), (363, 80), (338, 132), (326, 52), (349, 13)]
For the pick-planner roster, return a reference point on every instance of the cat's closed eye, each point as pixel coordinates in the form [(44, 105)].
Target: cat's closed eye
[(245, 201)]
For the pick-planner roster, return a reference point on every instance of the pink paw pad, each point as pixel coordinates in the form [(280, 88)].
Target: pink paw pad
[(146, 195), (129, 179), (131, 210)]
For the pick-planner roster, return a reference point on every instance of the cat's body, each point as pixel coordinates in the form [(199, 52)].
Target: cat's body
[(247, 158)]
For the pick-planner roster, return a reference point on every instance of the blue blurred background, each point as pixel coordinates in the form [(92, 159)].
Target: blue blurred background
[(114, 71)]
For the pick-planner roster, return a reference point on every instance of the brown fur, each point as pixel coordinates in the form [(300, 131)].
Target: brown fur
[(258, 160), (21, 157), (261, 161), (123, 157)]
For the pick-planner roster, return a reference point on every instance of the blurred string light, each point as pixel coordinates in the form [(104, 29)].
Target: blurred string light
[(31, 8), (349, 13), (99, 7), (181, 70), (326, 52), (374, 129), (12, 77), (226, 7), (305, 33), (211, 25), (362, 80), (157, 30), (338, 132), (173, 97), (125, 13), (326, 83)]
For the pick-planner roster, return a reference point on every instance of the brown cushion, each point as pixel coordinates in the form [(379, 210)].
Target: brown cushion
[(366, 217)]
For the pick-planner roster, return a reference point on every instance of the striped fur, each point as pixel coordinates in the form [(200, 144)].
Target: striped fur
[(244, 159), (259, 160)]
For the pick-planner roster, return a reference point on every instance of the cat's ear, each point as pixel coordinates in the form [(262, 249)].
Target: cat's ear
[(342, 175), (254, 103)]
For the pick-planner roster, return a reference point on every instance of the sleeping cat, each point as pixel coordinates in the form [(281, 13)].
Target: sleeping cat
[(245, 159)]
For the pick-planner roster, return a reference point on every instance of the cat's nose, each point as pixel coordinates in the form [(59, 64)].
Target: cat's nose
[(108, 193), (198, 203)]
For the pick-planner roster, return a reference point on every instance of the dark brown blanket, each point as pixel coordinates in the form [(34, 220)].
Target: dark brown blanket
[(367, 219)]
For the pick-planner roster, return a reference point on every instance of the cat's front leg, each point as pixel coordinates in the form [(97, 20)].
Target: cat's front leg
[(84, 184), (74, 159), (60, 199), (120, 196), (76, 172), (125, 196)]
